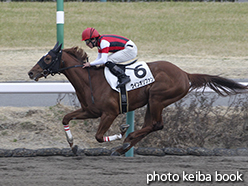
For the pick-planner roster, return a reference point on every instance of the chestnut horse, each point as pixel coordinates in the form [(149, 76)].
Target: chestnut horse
[(171, 84)]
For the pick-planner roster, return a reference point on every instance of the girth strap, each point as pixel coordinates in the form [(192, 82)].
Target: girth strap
[(124, 106)]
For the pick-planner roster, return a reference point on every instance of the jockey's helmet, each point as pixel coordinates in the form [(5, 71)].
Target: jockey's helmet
[(89, 33)]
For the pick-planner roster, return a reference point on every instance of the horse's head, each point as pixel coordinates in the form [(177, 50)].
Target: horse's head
[(48, 64)]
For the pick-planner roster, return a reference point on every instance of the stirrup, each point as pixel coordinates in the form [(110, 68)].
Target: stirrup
[(123, 83), (123, 128)]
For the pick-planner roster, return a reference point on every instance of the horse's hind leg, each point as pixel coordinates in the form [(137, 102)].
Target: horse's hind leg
[(153, 122), (105, 123)]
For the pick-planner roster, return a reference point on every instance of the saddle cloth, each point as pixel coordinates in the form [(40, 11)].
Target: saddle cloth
[(139, 72)]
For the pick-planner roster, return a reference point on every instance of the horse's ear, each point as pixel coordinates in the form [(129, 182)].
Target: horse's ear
[(56, 46), (60, 46)]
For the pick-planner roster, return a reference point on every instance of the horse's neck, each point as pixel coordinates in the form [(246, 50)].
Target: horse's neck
[(77, 76), (80, 80)]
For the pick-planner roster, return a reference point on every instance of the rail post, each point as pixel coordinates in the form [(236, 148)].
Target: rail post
[(130, 121), (60, 21)]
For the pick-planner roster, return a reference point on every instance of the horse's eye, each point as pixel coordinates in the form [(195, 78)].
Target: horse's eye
[(47, 59)]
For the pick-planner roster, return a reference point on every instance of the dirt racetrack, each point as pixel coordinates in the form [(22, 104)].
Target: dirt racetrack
[(105, 171), (112, 171)]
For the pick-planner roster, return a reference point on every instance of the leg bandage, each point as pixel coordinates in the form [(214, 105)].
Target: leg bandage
[(68, 133), (112, 138)]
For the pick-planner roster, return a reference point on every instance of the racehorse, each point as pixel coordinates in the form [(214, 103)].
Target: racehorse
[(97, 99)]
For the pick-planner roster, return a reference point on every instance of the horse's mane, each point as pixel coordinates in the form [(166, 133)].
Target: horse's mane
[(78, 53)]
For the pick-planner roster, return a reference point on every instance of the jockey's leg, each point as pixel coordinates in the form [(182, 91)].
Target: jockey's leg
[(119, 73)]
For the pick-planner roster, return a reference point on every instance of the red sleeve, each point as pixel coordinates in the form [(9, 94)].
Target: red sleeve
[(104, 50)]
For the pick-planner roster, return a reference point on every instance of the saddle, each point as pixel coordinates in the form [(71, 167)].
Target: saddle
[(140, 75)]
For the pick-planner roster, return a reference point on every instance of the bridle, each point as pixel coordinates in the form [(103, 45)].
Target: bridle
[(54, 67)]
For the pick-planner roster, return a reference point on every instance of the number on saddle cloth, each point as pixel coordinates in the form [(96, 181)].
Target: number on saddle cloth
[(139, 73)]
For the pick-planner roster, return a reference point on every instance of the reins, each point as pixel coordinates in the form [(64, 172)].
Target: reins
[(66, 68)]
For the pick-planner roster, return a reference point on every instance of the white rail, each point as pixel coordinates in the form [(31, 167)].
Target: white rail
[(33, 88)]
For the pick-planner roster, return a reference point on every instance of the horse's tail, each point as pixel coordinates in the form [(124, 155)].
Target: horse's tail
[(220, 85)]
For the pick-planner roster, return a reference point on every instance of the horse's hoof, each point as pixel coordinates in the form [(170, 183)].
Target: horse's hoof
[(115, 153), (74, 149), (124, 128), (125, 146)]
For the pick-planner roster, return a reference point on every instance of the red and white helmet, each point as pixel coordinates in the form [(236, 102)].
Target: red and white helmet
[(89, 33)]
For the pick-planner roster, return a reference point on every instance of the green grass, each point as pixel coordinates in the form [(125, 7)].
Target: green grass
[(178, 28)]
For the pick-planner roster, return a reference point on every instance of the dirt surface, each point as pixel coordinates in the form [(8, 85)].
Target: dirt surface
[(37, 127), (110, 171)]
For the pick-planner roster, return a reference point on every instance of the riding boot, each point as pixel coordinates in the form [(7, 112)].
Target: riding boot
[(119, 73)]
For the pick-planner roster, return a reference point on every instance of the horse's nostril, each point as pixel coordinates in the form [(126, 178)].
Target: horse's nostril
[(30, 74)]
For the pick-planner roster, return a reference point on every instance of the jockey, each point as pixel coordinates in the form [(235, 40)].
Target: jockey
[(122, 50)]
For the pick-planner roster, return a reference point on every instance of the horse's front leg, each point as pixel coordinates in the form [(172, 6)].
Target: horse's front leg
[(78, 114)]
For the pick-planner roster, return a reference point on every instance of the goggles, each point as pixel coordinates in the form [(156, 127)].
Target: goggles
[(87, 41)]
